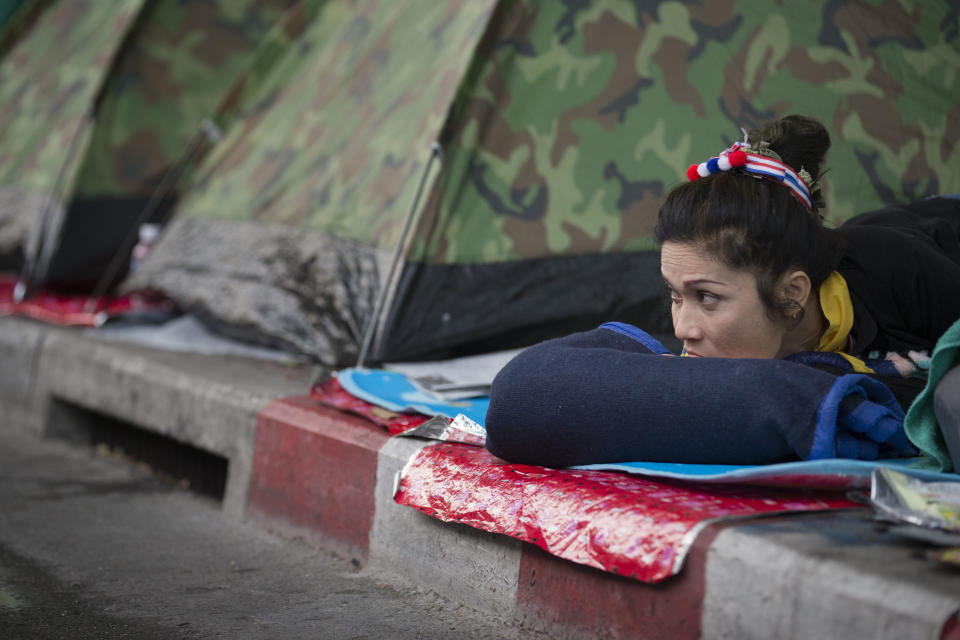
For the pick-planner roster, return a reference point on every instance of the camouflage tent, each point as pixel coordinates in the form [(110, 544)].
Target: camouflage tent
[(98, 103), (568, 123), (47, 83), (287, 231), (559, 127), (578, 117)]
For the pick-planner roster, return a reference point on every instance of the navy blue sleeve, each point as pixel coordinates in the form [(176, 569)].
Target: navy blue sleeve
[(608, 396)]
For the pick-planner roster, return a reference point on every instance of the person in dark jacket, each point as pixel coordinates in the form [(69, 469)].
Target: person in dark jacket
[(754, 274)]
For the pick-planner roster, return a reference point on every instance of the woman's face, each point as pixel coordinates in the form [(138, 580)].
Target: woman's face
[(717, 311)]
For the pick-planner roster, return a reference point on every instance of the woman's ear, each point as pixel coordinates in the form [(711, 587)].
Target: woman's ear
[(796, 286)]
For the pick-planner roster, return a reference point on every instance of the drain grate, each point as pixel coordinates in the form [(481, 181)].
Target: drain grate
[(202, 472)]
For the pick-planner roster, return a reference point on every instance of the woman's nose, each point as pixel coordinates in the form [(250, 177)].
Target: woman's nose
[(685, 324)]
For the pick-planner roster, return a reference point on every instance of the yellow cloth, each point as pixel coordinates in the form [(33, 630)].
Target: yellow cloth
[(838, 310)]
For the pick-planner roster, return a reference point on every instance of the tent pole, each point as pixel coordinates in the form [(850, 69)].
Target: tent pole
[(386, 293), (208, 131)]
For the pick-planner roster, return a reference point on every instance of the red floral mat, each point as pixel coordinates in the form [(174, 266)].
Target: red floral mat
[(624, 524), (77, 311), (331, 394)]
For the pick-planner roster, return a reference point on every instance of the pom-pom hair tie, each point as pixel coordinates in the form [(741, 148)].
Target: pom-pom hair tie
[(761, 162)]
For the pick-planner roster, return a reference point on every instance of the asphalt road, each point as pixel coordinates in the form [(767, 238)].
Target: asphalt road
[(95, 546)]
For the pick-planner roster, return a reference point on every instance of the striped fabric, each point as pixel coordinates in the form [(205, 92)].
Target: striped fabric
[(741, 155)]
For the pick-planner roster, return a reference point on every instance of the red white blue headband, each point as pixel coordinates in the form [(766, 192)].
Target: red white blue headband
[(760, 162)]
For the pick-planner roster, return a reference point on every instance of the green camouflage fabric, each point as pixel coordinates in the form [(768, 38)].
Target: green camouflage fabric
[(172, 73), (99, 101), (576, 117), (563, 125), (270, 66), (16, 18), (333, 131), (48, 81)]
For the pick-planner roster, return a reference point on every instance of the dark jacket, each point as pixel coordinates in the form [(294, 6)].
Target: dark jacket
[(902, 266)]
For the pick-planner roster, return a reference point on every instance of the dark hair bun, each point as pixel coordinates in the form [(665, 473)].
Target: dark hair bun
[(800, 141)]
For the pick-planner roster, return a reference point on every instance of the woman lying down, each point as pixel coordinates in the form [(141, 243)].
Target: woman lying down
[(799, 339)]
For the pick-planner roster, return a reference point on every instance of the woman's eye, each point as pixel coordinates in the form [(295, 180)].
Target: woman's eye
[(708, 298), (674, 296)]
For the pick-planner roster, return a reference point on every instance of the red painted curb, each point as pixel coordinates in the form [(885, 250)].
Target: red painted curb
[(316, 468), (951, 628), (556, 595)]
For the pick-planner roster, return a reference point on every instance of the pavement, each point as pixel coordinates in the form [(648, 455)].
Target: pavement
[(95, 546), (307, 471)]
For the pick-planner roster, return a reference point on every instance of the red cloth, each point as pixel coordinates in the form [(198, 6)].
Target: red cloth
[(624, 524), (331, 394), (78, 311)]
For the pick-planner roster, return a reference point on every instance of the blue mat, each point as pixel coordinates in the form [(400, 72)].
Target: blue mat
[(770, 473), (395, 392)]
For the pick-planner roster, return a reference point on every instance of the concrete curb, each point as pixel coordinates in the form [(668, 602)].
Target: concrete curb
[(21, 343), (299, 467), (823, 575), (462, 563), (210, 403)]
